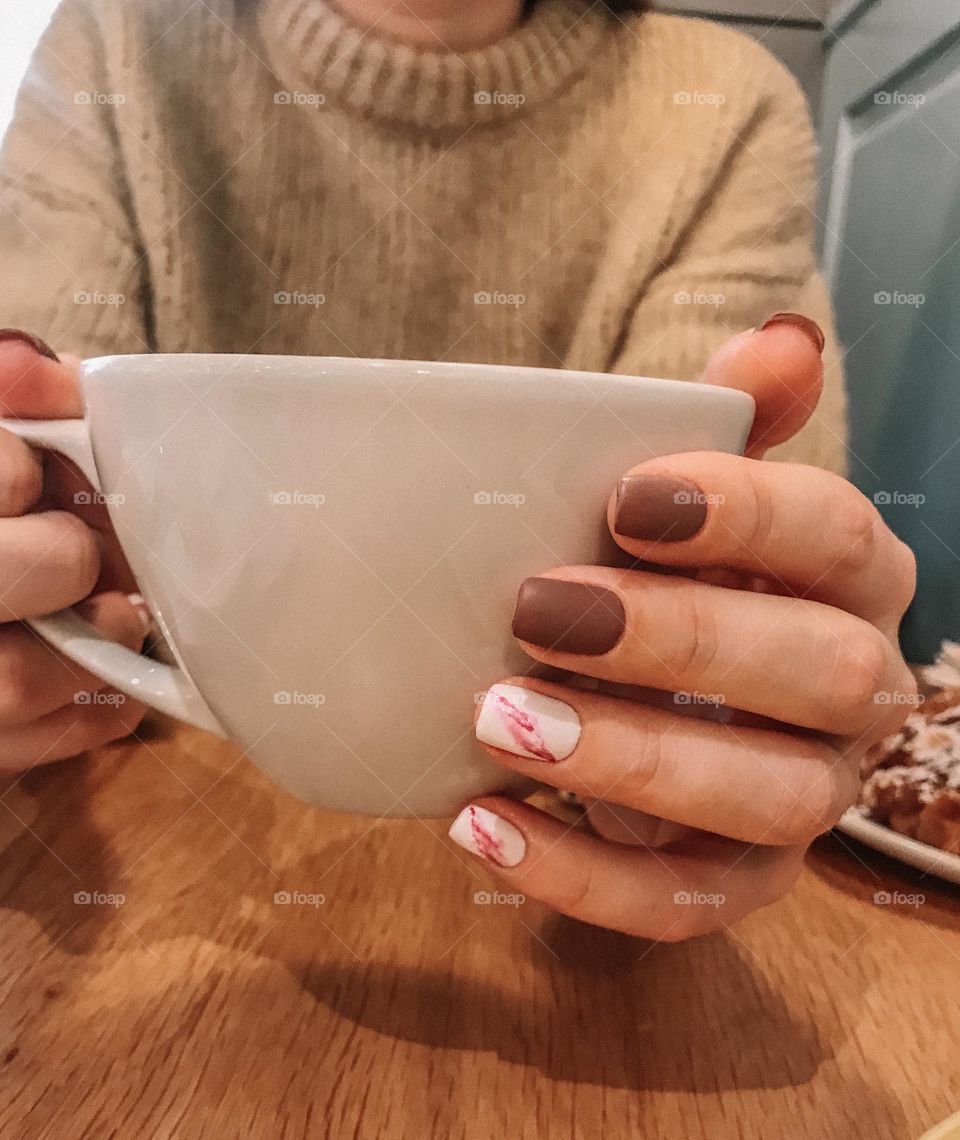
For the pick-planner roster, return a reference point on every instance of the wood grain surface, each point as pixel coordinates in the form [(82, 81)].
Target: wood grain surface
[(385, 1001)]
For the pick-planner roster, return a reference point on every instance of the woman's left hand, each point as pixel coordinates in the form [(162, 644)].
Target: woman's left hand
[(791, 621)]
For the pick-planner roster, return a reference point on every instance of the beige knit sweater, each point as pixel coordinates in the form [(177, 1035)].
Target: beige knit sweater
[(261, 176)]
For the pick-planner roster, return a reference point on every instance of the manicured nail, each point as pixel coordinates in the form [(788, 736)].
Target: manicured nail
[(658, 508), (482, 833), (143, 610), (28, 338), (570, 617), (528, 723), (799, 321)]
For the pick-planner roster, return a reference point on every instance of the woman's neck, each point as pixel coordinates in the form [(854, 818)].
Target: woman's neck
[(454, 25)]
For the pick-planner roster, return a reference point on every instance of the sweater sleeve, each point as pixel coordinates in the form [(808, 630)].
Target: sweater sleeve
[(746, 253), (71, 268)]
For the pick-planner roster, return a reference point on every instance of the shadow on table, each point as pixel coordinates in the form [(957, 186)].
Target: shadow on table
[(625, 1014), (862, 873)]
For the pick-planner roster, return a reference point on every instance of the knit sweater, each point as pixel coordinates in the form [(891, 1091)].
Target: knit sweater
[(263, 176)]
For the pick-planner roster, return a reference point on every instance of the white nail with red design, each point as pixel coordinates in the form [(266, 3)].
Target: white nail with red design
[(482, 833), (528, 723)]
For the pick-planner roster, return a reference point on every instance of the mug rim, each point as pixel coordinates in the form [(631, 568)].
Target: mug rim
[(452, 370)]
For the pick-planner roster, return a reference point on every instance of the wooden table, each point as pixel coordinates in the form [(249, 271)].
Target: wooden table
[(184, 1001)]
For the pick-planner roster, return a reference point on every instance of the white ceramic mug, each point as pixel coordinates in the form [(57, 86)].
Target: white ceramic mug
[(332, 547)]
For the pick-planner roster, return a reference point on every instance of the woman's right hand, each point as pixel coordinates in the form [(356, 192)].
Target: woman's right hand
[(57, 548)]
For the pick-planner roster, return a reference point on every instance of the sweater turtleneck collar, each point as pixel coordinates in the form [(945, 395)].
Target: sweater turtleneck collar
[(315, 49)]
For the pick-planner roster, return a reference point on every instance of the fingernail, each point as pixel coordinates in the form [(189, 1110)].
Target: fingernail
[(143, 611), (798, 321), (570, 617), (482, 833), (527, 723), (28, 338), (658, 508)]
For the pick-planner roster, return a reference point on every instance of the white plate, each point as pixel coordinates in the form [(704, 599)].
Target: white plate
[(902, 847)]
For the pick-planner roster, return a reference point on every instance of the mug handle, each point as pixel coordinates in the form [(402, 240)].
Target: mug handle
[(164, 687)]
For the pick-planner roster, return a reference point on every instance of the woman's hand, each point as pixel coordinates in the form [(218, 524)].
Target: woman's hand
[(56, 547), (791, 621)]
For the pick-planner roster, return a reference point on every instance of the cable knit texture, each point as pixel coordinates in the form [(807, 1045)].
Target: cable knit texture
[(263, 176)]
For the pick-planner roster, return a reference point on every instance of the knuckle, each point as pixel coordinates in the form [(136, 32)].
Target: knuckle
[(15, 686), (21, 484), (856, 525), (903, 577), (683, 922), (573, 894), (695, 639), (815, 808), (761, 512), (860, 672), (107, 723), (78, 552)]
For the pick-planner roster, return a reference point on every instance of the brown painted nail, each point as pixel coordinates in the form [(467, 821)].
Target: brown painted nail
[(798, 321), (658, 508), (28, 338), (570, 617)]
